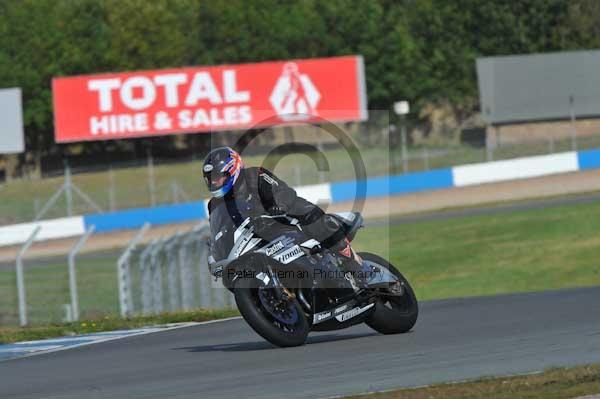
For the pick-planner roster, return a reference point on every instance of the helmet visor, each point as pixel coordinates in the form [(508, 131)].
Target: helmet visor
[(216, 180)]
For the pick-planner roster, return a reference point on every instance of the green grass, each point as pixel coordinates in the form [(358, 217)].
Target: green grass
[(552, 384), (47, 289), (108, 323), (533, 250)]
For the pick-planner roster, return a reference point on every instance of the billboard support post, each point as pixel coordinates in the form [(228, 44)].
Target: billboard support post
[(402, 108), (403, 140), (573, 125)]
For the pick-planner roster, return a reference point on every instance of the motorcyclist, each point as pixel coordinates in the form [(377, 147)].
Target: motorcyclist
[(255, 190)]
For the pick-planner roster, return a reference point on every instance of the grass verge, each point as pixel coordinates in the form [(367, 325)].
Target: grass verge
[(521, 251), (532, 250), (108, 323), (551, 384)]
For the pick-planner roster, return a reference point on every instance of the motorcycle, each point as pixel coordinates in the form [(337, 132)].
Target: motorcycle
[(286, 285)]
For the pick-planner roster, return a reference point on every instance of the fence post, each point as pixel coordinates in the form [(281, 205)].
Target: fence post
[(73, 273), (50, 202), (111, 189), (36, 206), (175, 192), (185, 274), (157, 277), (151, 182), (68, 189), (145, 264), (123, 277), (425, 158), (21, 279), (206, 285), (172, 269), (182, 193)]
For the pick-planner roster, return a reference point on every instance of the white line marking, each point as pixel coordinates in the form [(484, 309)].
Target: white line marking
[(149, 330), (29, 349)]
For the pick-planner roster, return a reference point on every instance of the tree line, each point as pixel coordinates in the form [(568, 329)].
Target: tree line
[(420, 50)]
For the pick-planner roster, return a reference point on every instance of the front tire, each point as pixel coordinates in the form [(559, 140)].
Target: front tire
[(393, 315), (291, 331)]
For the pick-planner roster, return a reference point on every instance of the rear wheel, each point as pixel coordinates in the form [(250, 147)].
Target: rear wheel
[(393, 314), (280, 321)]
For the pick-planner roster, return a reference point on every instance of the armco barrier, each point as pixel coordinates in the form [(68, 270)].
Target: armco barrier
[(589, 159), (50, 229), (134, 218), (459, 176), (514, 169), (392, 185)]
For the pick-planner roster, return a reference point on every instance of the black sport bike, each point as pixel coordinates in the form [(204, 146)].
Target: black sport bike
[(286, 285)]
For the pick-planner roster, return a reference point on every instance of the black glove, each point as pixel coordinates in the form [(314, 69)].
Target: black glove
[(333, 234), (261, 225)]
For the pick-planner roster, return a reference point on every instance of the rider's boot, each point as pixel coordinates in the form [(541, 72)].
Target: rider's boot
[(351, 264)]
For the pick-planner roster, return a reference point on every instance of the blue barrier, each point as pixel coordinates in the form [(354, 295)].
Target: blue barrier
[(340, 191), (589, 159), (135, 218), (392, 185)]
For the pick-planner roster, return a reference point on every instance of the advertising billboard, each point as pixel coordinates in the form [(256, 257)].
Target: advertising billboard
[(539, 87), (11, 122), (205, 99)]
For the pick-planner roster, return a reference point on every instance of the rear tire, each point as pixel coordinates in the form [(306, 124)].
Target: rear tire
[(261, 321), (393, 315)]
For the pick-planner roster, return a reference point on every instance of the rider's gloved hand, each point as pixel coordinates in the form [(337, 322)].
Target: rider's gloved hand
[(262, 225)]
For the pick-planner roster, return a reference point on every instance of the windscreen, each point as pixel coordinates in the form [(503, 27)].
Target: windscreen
[(222, 227)]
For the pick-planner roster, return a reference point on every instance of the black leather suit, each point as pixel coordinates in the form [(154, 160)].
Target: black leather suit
[(258, 191)]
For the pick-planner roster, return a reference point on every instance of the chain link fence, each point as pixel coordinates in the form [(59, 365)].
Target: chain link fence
[(167, 274), (170, 274), (155, 179)]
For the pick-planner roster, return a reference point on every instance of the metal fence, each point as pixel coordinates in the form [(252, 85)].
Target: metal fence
[(161, 181), (169, 274), (166, 274)]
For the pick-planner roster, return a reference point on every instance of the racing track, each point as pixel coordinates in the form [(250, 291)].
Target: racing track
[(453, 340)]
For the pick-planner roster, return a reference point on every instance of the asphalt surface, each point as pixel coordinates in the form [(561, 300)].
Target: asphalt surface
[(453, 340)]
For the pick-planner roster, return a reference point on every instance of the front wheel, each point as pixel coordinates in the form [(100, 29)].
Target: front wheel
[(280, 321), (393, 314)]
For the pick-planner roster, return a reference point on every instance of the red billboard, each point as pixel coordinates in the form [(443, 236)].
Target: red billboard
[(204, 99)]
